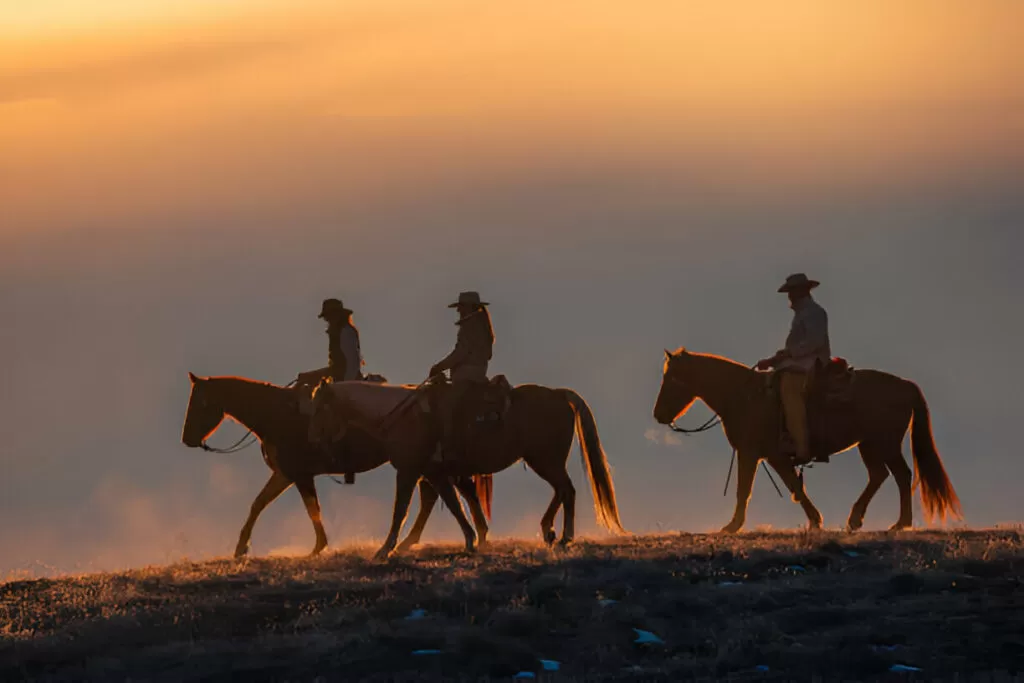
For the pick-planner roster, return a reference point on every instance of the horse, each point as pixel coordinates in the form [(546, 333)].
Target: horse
[(537, 426), (875, 418), (275, 415)]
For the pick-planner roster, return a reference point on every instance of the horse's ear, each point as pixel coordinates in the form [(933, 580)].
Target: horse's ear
[(192, 378), (668, 355)]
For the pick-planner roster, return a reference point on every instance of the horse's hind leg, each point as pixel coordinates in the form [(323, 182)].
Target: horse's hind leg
[(795, 484), (547, 522), (307, 489), (428, 498), (275, 486), (896, 463), (565, 497), (874, 461), (467, 487)]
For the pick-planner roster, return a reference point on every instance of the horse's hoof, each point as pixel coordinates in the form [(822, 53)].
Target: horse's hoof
[(319, 548), (731, 528), (405, 547), (565, 542), (382, 555), (899, 526), (853, 527), (483, 545), (549, 537), (241, 552)]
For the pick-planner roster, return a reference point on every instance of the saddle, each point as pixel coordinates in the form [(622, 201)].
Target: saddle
[(485, 405), (831, 383)]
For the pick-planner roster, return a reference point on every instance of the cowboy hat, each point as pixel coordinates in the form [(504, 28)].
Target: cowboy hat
[(468, 299), (332, 305), (798, 281)]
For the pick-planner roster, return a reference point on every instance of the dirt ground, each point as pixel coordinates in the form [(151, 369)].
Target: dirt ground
[(761, 606)]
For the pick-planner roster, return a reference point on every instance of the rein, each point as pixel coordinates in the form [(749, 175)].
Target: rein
[(712, 422), (404, 403), (238, 445), (233, 448)]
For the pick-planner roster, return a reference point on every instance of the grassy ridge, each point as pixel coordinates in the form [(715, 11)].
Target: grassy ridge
[(771, 606)]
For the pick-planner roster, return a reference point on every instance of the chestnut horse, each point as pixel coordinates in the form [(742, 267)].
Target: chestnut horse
[(876, 418), (275, 416), (537, 427)]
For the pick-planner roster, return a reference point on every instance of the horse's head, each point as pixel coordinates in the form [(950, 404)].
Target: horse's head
[(325, 424), (203, 414), (676, 394)]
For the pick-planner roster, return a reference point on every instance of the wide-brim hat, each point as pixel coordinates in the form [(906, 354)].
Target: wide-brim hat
[(332, 306), (798, 281), (468, 299)]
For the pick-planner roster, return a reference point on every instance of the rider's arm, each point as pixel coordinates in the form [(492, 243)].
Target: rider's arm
[(453, 359), (457, 357)]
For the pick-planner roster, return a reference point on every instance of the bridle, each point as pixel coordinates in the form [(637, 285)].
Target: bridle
[(711, 422)]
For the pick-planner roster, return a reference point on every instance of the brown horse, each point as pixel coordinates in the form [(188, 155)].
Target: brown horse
[(538, 427), (880, 409), (276, 416)]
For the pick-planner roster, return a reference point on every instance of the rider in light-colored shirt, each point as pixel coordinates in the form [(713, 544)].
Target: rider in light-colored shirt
[(808, 337)]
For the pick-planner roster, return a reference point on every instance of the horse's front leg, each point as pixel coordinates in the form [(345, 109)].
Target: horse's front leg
[(444, 487), (746, 470), (405, 482), (795, 484), (275, 486), (428, 498)]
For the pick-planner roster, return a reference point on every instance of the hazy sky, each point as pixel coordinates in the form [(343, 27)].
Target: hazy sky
[(182, 183)]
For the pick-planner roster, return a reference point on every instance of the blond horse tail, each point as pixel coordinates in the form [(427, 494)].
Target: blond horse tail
[(937, 494), (485, 492), (596, 464)]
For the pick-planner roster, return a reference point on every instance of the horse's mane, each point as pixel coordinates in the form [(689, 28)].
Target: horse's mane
[(224, 379), (709, 356)]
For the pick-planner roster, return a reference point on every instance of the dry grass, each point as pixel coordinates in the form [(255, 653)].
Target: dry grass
[(807, 607)]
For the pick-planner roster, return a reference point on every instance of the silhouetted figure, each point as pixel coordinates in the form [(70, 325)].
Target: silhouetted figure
[(807, 348), (344, 359), (468, 365)]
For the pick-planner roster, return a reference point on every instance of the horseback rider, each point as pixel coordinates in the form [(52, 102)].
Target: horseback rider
[(468, 366), (806, 346), (344, 359)]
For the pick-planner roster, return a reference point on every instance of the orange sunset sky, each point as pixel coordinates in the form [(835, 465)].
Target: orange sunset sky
[(163, 97)]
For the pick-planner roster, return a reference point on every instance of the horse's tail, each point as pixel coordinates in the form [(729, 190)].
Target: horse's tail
[(937, 494), (596, 464), (485, 492)]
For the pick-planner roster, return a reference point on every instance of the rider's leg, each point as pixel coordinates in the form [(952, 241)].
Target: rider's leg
[(793, 390)]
